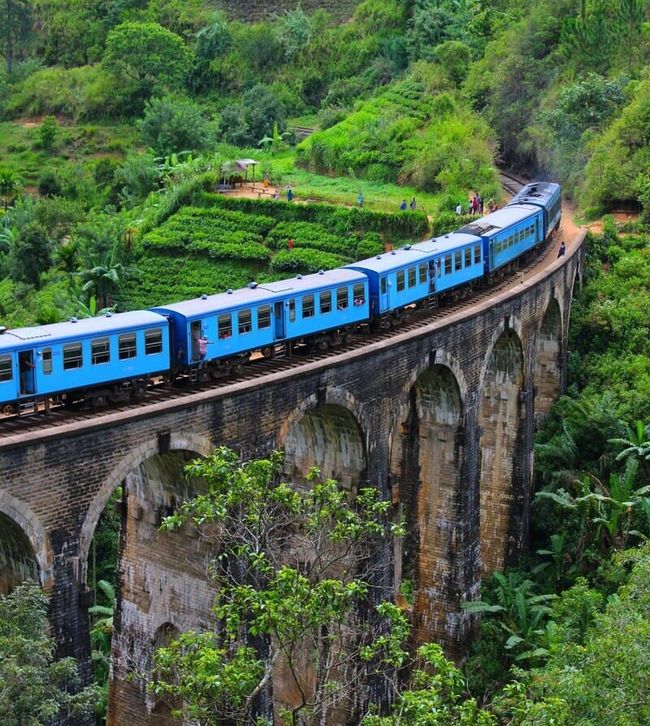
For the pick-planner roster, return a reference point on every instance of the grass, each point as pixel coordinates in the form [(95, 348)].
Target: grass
[(75, 144), (378, 196)]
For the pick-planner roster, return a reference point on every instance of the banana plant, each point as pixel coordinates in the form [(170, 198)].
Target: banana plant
[(522, 614)]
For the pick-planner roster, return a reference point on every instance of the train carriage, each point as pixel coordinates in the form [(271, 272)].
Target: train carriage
[(507, 234), (100, 359), (396, 279), (454, 259), (546, 195), (263, 315)]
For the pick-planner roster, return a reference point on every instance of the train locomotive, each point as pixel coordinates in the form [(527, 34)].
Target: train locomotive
[(115, 357)]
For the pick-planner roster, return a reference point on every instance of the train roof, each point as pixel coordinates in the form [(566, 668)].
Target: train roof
[(393, 260), (256, 294), (493, 223), (536, 193), (445, 243), (73, 329)]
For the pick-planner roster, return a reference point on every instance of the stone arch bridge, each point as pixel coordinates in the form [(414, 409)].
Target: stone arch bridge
[(440, 419)]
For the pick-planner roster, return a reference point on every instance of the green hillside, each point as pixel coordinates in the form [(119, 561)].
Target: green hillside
[(121, 124)]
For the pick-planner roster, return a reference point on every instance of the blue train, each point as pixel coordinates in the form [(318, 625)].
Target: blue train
[(114, 357)]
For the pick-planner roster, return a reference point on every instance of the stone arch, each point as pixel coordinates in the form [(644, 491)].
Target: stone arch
[(162, 576), (501, 429), (199, 445), (549, 374), (27, 541), (326, 431), (427, 457)]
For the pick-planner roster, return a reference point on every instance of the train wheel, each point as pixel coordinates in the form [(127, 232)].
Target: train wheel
[(139, 391), (9, 409), (268, 351), (98, 401)]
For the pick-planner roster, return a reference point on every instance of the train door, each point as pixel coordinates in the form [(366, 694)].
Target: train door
[(26, 366), (432, 275), (384, 303), (196, 332), (278, 317)]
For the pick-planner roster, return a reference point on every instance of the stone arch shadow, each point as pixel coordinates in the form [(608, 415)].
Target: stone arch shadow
[(548, 370), (427, 461), (328, 430), (502, 465), (32, 529), (200, 445)]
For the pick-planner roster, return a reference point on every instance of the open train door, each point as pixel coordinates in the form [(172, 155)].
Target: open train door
[(27, 369)]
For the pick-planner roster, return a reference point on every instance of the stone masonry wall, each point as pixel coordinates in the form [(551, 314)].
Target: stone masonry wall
[(392, 407)]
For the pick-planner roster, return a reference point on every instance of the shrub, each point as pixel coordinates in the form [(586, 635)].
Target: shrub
[(49, 184), (47, 133), (173, 124), (84, 92), (305, 261)]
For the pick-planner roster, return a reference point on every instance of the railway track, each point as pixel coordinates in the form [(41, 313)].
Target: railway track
[(255, 369)]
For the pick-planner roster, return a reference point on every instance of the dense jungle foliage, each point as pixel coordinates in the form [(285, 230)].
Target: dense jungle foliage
[(120, 120)]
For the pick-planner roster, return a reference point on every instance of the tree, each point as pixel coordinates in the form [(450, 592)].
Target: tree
[(600, 675), (34, 687), (292, 573), (102, 280), (173, 124), (9, 186), (137, 178), (147, 56), (47, 133), (455, 58), (15, 27), (435, 696), (31, 254)]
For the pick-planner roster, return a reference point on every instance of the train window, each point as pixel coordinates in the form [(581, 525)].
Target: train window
[(153, 341), (447, 264), (423, 273), (127, 346), (224, 325), (326, 302), (458, 261), (401, 281), (342, 298), (411, 276), (244, 321), (264, 316), (468, 257), (100, 351), (292, 310), (6, 368), (72, 356), (498, 246), (307, 306), (46, 357), (383, 285), (359, 294), (477, 254), (438, 268)]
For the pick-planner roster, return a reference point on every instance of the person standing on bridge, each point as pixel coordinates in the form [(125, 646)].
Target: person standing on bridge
[(360, 199), (562, 250)]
